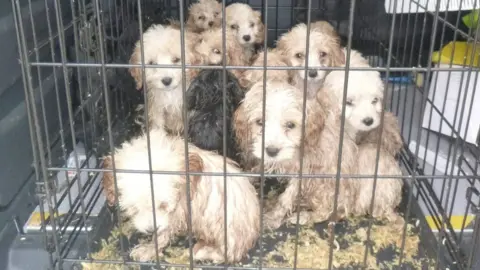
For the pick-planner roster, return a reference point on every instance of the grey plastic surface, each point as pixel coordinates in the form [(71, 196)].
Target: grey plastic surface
[(17, 197)]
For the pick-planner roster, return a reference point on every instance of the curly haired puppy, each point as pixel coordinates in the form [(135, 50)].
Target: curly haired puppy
[(247, 26), (274, 59), (324, 51), (363, 111), (170, 199), (204, 15), (205, 110), (210, 49), (164, 85), (283, 133), (365, 91)]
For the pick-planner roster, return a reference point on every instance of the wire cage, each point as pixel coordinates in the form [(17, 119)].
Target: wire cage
[(81, 103)]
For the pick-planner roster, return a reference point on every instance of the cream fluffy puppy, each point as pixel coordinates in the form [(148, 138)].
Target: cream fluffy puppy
[(324, 51), (247, 26), (204, 15), (164, 85), (283, 137), (363, 116), (170, 198), (365, 90), (210, 49)]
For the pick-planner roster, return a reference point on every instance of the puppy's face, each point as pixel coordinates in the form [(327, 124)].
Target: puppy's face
[(205, 14), (324, 51), (364, 99), (210, 47), (245, 23), (161, 47), (283, 121)]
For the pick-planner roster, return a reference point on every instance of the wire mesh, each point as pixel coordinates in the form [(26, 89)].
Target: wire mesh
[(90, 44)]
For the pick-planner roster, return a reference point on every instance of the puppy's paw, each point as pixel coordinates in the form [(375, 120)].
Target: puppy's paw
[(202, 252), (144, 253), (303, 219)]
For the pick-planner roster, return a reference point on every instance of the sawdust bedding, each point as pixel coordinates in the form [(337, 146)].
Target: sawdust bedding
[(383, 251)]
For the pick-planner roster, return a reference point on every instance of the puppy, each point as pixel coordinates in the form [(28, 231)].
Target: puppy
[(170, 199), (282, 149), (364, 107), (210, 49), (204, 15), (205, 110), (247, 26), (274, 59), (363, 111), (324, 51), (164, 85)]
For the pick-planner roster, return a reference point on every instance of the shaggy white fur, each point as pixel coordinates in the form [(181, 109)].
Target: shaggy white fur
[(247, 26), (170, 199), (162, 46)]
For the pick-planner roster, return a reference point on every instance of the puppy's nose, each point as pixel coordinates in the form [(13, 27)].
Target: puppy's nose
[(167, 81), (368, 121), (312, 73), (272, 151), (210, 24), (246, 38)]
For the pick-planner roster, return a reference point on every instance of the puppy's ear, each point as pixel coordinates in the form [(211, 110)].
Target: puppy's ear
[(260, 35), (195, 164), (193, 58), (136, 72), (241, 129), (338, 56), (108, 182)]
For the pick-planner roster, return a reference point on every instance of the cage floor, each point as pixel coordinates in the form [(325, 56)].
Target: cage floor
[(384, 246)]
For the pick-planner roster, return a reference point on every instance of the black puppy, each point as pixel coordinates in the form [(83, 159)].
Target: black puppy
[(205, 110)]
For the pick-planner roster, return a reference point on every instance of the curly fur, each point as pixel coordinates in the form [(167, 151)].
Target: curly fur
[(321, 149), (275, 59), (245, 22), (387, 191), (204, 15), (162, 46), (365, 91), (210, 48), (324, 51), (205, 110), (363, 111), (206, 194)]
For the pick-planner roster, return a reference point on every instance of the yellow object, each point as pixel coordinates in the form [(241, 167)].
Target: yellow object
[(455, 221), (461, 56)]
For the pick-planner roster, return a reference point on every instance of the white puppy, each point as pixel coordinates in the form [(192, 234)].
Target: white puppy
[(170, 198), (247, 25), (363, 116), (162, 46)]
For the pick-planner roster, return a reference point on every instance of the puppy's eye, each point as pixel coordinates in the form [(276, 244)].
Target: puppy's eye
[(290, 125), (258, 122), (349, 102), (323, 54), (152, 62), (234, 26), (201, 17), (299, 55), (217, 51), (216, 14), (175, 60), (374, 101), (252, 24)]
